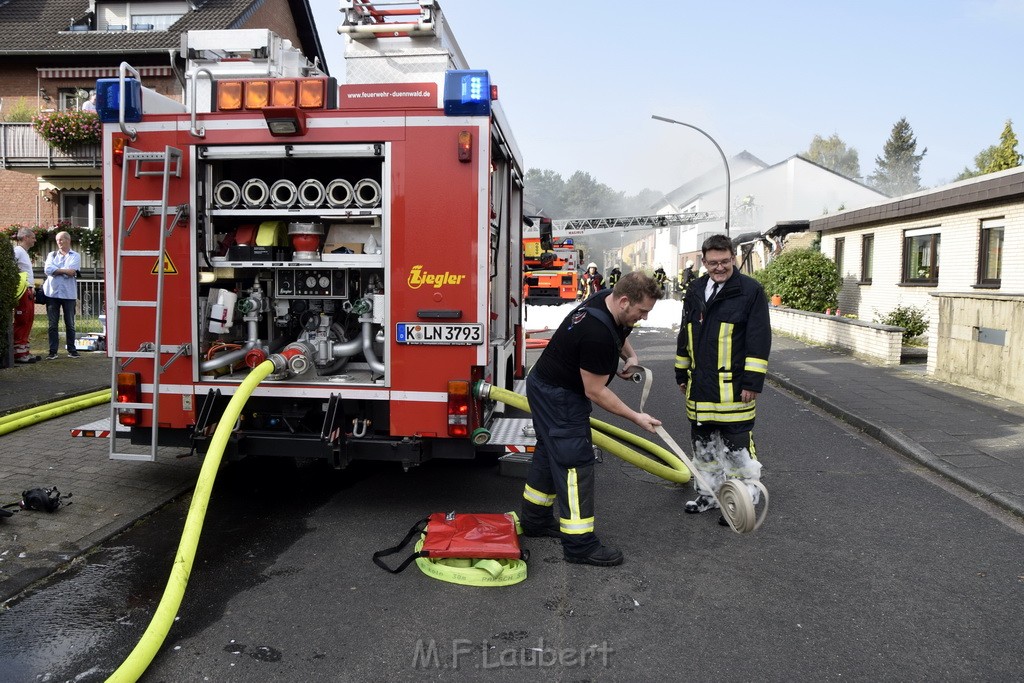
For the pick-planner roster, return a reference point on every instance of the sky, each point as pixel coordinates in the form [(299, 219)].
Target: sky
[(579, 81)]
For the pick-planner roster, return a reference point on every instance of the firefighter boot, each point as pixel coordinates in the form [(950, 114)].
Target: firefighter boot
[(601, 556)]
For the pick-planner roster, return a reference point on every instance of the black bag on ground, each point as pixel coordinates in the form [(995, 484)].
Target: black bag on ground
[(44, 500)]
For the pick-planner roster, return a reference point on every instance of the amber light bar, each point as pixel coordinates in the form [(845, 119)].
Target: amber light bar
[(254, 94)]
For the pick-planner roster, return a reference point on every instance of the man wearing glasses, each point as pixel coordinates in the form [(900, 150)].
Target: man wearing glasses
[(721, 360)]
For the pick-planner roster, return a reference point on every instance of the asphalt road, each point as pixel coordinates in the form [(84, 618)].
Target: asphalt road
[(868, 568)]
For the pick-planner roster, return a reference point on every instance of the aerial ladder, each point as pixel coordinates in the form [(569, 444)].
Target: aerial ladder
[(553, 285)]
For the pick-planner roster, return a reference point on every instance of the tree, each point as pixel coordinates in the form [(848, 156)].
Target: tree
[(832, 153), (1005, 154), (584, 196), (996, 157), (981, 160), (8, 288), (544, 190), (898, 172)]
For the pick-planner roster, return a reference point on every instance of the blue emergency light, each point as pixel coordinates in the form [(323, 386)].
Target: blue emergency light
[(467, 93), (108, 100)]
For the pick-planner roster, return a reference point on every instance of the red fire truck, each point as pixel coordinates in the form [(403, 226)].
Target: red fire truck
[(550, 265), (366, 237)]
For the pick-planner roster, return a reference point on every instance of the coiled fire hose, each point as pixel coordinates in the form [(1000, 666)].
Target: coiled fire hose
[(734, 497)]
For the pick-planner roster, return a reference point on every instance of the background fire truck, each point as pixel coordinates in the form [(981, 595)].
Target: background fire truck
[(552, 258), (366, 238), (550, 264)]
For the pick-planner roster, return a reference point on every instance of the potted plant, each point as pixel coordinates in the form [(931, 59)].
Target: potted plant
[(68, 129)]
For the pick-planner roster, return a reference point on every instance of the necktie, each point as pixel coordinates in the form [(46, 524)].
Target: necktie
[(714, 291)]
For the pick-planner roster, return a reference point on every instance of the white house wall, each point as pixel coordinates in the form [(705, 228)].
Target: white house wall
[(958, 260), (795, 189)]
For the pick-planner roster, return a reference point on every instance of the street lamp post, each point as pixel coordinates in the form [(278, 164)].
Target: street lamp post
[(725, 162)]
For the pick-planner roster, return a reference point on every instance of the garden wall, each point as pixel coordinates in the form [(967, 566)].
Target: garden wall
[(871, 341)]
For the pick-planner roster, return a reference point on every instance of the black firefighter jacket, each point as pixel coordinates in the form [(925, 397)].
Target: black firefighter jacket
[(723, 348)]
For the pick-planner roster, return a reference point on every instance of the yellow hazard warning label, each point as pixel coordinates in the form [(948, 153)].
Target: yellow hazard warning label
[(168, 266)]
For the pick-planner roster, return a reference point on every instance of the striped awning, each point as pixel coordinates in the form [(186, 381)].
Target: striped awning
[(101, 72), (78, 183)]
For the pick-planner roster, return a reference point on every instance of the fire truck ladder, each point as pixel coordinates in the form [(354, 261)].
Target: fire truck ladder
[(577, 226), (166, 164)]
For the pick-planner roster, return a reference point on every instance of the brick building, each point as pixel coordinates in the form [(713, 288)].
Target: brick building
[(54, 50)]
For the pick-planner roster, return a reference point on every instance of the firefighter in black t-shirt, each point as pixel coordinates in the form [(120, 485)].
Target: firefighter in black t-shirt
[(571, 374)]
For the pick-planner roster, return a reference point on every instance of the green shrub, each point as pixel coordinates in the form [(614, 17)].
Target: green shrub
[(910, 318), (20, 110), (8, 288), (807, 280)]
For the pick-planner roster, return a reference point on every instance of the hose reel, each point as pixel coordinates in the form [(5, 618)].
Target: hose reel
[(311, 193), (255, 193), (283, 194), (734, 499), (226, 194), (339, 193), (367, 193)]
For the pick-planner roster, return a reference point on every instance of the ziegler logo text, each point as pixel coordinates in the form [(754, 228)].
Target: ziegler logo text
[(419, 277)]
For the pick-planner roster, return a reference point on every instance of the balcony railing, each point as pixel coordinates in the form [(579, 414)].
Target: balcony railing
[(22, 147)]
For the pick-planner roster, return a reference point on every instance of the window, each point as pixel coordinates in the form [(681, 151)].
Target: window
[(921, 256), (867, 256), (840, 248), (140, 15), (71, 98), (990, 253), (84, 209)]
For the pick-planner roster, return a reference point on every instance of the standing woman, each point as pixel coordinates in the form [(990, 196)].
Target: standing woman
[(61, 287)]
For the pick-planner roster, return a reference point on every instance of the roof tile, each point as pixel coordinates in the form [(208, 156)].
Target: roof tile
[(41, 27)]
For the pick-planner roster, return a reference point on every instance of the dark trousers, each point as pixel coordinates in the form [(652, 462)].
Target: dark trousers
[(54, 307), (562, 469)]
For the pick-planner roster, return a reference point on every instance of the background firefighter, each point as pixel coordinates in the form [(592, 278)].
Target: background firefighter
[(661, 277), (591, 282), (721, 360), (571, 374), (25, 308), (614, 276), (686, 276)]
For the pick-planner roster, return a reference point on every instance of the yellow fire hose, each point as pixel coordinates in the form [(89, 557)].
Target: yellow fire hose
[(602, 432), (24, 418), (734, 499), (153, 638)]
